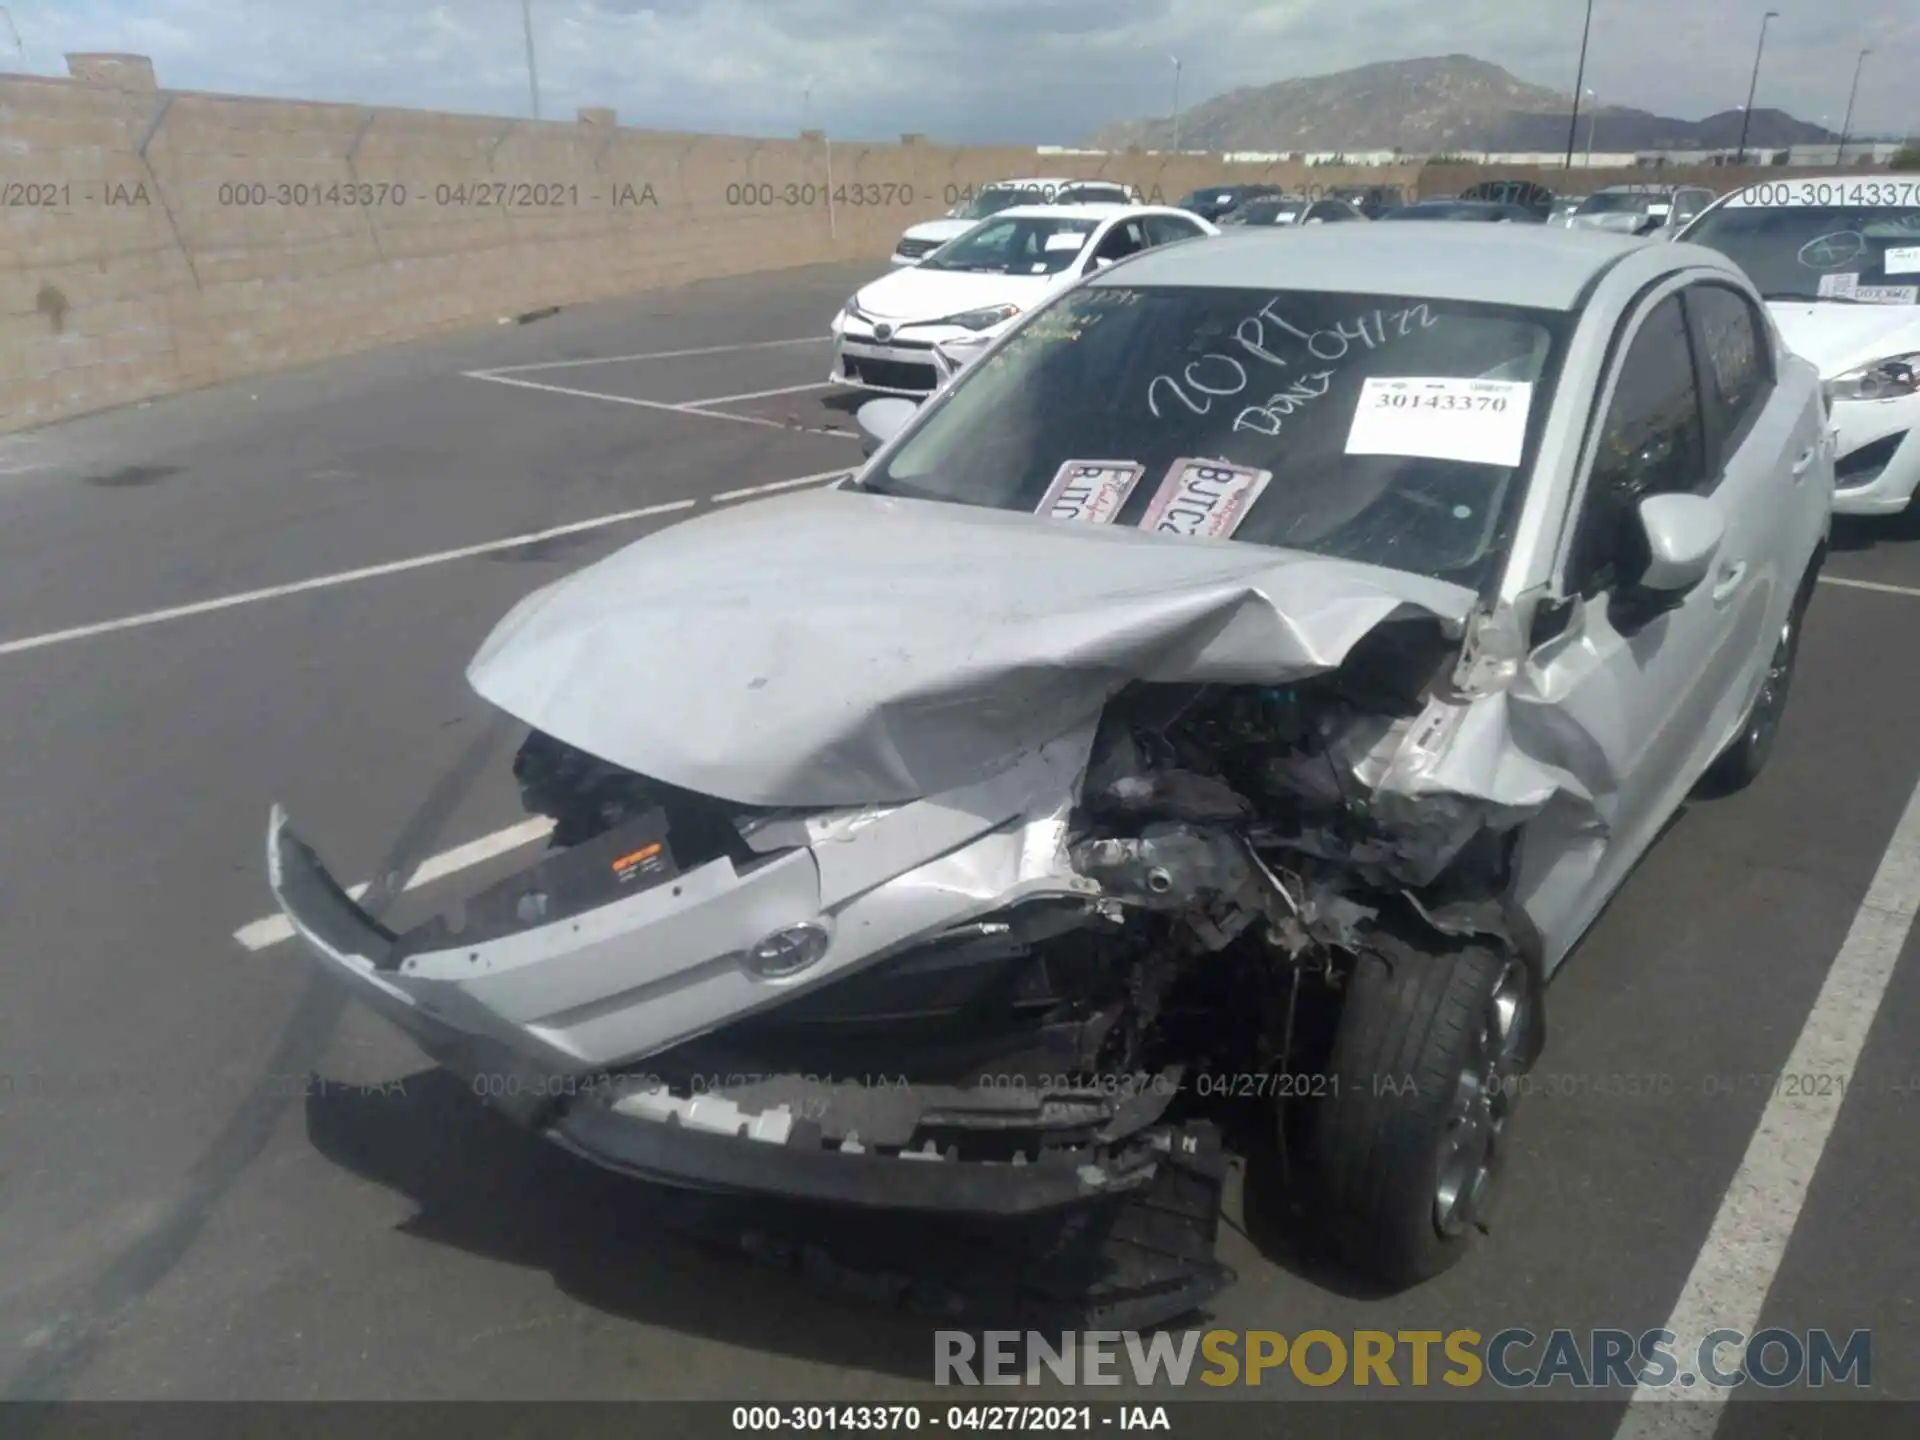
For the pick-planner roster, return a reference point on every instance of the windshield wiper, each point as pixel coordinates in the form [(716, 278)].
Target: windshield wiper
[(1811, 299)]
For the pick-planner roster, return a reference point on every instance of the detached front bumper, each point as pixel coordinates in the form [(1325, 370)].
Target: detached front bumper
[(600, 1016)]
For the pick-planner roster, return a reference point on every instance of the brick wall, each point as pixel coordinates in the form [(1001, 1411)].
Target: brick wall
[(154, 240)]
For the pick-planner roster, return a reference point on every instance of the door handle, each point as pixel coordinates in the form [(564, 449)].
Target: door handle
[(1731, 576), (1805, 462)]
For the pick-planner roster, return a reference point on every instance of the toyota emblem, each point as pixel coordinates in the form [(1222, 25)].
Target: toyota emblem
[(883, 331)]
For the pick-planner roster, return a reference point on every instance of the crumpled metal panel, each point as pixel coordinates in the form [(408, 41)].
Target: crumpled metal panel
[(836, 648)]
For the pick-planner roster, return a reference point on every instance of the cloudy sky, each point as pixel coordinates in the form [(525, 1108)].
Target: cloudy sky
[(1018, 71)]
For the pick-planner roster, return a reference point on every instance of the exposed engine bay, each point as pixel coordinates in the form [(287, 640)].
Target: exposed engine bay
[(1000, 923), (1241, 863)]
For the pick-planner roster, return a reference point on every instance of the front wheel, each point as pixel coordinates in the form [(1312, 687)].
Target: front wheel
[(1408, 1149)]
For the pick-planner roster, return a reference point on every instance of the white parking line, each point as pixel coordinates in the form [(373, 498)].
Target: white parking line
[(392, 567), (1884, 589), (1736, 1267), (271, 930), (621, 399), (658, 355), (757, 394)]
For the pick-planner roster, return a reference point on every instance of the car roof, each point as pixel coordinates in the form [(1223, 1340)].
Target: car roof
[(1531, 266), (1092, 210)]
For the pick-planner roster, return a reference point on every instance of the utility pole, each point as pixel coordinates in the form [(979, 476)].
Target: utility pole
[(1846, 125), (533, 74), (1746, 116), (14, 30), (1579, 80), (1176, 103)]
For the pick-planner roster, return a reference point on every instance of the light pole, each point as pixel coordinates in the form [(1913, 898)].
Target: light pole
[(533, 75), (1176, 103), (14, 30), (1579, 79), (1846, 125), (1746, 117), (1593, 122)]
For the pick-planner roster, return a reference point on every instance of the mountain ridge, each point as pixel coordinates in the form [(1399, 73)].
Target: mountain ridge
[(1437, 104)]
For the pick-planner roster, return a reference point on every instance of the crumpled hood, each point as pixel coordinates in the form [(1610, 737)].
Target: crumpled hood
[(1839, 338), (836, 648)]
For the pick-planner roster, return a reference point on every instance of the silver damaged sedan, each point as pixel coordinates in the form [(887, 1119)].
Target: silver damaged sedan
[(1202, 727)]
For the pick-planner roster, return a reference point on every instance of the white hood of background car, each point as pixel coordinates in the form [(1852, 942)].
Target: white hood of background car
[(1616, 222), (916, 293), (836, 648), (1839, 338), (940, 230)]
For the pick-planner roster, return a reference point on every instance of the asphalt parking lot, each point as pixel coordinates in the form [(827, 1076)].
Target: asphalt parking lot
[(269, 591)]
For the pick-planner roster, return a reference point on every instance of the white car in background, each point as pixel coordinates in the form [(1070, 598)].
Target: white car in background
[(923, 239), (1838, 262), (964, 295), (1659, 210)]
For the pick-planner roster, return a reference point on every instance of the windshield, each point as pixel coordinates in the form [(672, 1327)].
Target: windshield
[(1015, 245), (1620, 202), (1093, 195), (1377, 428), (995, 198), (1265, 212), (1863, 254), (1212, 195)]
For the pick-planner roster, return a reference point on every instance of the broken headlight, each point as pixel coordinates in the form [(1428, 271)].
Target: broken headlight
[(1887, 379)]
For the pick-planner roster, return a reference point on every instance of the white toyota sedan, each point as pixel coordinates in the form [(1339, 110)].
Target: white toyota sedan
[(1838, 261), (965, 294)]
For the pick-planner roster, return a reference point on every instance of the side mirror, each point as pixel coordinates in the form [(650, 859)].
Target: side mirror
[(1683, 534), (880, 420), (1100, 262)]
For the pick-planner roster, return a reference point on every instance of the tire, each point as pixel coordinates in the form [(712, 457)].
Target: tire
[(1740, 764), (1408, 1147)]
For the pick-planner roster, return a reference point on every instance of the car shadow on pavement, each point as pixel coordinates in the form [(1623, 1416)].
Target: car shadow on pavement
[(484, 1186), (1866, 532), (761, 1274)]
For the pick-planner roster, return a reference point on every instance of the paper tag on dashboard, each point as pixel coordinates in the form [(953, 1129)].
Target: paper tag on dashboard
[(1067, 239), (1902, 260), (1090, 490), (1887, 294), (1208, 498), (1479, 422), (1838, 285)]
